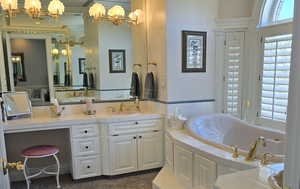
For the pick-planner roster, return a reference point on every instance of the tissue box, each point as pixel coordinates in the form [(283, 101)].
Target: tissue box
[(176, 124)]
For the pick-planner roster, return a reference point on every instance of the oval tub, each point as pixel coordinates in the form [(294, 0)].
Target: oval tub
[(224, 131)]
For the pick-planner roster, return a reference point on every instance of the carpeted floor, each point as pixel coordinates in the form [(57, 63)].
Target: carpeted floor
[(129, 181)]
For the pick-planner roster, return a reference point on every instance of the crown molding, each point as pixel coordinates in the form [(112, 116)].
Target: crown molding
[(233, 24)]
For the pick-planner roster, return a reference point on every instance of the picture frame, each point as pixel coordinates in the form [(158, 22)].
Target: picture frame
[(81, 63), (194, 51), (117, 61)]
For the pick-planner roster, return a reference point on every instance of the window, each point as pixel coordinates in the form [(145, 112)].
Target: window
[(232, 73), (277, 11), (284, 11), (275, 77)]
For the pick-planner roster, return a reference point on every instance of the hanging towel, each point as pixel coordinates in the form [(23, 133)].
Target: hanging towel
[(67, 80), (92, 81), (85, 80), (149, 86), (135, 90)]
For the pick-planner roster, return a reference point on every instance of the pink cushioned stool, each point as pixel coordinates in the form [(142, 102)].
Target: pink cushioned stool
[(40, 152)]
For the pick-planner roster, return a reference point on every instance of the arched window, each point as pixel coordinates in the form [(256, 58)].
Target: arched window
[(277, 11)]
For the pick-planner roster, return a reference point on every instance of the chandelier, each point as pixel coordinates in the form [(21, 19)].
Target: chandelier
[(33, 8), (116, 14)]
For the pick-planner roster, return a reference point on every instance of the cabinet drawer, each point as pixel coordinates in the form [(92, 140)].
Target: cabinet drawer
[(134, 126), (87, 167), (84, 147), (85, 131)]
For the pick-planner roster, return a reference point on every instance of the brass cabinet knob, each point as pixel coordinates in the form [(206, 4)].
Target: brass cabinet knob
[(235, 150)]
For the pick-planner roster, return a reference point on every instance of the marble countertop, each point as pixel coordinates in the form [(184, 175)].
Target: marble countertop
[(249, 179), (46, 122)]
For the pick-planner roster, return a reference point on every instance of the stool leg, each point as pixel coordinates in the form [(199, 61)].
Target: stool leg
[(25, 173), (58, 169)]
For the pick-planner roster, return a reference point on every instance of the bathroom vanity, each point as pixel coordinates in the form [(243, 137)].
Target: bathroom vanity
[(105, 143)]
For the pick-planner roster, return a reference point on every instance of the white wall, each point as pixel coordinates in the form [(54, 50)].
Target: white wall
[(114, 37), (191, 15), (156, 18), (235, 8)]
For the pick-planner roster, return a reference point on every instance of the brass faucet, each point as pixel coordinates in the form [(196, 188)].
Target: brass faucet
[(252, 152), (137, 104), (122, 107)]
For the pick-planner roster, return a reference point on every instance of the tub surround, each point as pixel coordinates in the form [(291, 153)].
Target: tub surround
[(97, 141), (197, 163), (249, 179)]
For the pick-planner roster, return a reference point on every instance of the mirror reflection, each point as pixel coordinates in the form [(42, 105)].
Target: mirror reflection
[(30, 74), (16, 104), (74, 58)]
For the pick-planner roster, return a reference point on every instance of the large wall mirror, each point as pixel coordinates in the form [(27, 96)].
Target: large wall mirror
[(74, 58)]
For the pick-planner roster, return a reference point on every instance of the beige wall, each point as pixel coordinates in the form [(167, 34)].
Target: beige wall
[(156, 16), (235, 8)]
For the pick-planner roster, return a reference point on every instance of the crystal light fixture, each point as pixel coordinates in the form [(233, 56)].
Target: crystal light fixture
[(56, 8), (97, 11), (11, 6), (33, 8), (116, 14)]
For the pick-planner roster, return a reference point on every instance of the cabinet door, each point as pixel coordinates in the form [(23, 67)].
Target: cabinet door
[(150, 150), (169, 152), (123, 154), (183, 166), (4, 179), (205, 173)]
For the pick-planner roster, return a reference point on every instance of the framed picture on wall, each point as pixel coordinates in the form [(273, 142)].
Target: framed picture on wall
[(117, 61), (81, 63), (194, 51)]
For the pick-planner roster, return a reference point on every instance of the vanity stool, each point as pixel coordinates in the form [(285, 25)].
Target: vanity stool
[(36, 152)]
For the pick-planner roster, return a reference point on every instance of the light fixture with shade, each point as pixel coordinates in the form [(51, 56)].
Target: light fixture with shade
[(11, 6), (56, 8), (116, 14), (64, 52), (97, 11), (55, 52), (33, 8)]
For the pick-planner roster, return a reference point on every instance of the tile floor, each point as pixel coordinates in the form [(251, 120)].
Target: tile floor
[(130, 181)]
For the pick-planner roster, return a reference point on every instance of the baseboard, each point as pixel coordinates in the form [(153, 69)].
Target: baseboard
[(17, 176)]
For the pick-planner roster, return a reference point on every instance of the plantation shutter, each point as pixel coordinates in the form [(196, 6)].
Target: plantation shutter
[(234, 47), (275, 77)]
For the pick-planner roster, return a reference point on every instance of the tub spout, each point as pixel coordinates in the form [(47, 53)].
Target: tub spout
[(252, 152)]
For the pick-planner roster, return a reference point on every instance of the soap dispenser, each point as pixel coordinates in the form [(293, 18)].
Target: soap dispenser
[(90, 110)]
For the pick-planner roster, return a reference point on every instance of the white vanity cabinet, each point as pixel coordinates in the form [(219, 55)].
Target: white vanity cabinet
[(193, 170), (86, 151), (134, 146), (123, 154)]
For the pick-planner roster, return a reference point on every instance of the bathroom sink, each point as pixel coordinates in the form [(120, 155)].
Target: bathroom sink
[(276, 181)]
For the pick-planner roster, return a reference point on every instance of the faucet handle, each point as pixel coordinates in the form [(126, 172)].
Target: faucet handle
[(235, 150), (266, 158)]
